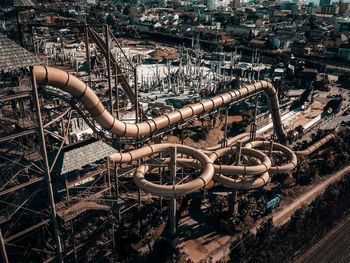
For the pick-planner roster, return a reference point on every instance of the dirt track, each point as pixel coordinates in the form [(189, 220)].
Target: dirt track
[(283, 216), (334, 247)]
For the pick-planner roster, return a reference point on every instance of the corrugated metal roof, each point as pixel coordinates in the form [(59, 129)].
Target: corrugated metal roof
[(13, 56), (19, 3), (81, 154)]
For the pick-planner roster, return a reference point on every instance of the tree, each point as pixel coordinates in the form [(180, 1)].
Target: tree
[(130, 11), (111, 20)]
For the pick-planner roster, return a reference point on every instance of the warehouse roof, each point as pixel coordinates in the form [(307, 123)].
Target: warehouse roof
[(78, 155), (18, 3), (13, 56)]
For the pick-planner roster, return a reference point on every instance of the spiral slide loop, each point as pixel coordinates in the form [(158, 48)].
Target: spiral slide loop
[(293, 161), (168, 190), (249, 177), (242, 176)]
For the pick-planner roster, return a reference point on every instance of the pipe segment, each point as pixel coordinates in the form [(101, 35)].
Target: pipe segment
[(244, 177), (293, 161), (241, 169), (81, 92), (316, 145), (255, 176), (168, 190), (242, 183)]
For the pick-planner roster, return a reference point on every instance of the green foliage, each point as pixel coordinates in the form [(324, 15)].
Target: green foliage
[(111, 20)]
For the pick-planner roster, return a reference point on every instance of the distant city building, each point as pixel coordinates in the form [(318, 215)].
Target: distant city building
[(289, 6), (162, 2), (299, 2), (343, 7), (236, 4), (325, 2), (217, 4), (211, 4), (328, 10), (310, 8), (342, 26)]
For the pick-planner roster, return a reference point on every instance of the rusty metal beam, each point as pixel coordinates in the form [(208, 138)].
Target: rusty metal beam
[(27, 230), (65, 135), (47, 168), (15, 96), (57, 136), (16, 135), (15, 188), (3, 249), (57, 118)]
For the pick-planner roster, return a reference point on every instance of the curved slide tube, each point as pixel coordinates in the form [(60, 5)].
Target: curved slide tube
[(167, 190), (247, 176), (293, 160), (231, 176), (81, 92), (243, 177), (316, 145), (241, 169)]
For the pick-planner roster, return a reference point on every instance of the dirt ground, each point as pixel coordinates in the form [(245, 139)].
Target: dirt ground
[(212, 138), (334, 247)]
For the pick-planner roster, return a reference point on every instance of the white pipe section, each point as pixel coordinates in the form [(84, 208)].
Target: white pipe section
[(80, 91), (168, 190), (253, 176), (293, 161), (242, 176), (316, 145)]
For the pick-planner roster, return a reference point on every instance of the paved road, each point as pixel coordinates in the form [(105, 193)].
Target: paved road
[(334, 247)]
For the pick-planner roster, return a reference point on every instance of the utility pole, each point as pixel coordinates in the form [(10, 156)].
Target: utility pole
[(136, 97), (116, 93), (109, 71), (87, 49), (172, 204), (270, 148), (224, 142), (253, 125), (3, 249), (47, 168), (238, 162)]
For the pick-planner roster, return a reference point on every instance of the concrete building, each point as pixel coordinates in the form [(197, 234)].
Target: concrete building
[(289, 6), (344, 51), (328, 9), (310, 8), (218, 4), (325, 2), (342, 26), (211, 4), (236, 4), (299, 2), (343, 7)]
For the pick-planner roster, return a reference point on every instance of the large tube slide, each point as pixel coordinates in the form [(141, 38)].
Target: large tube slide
[(167, 190), (81, 92), (316, 145), (293, 161), (242, 176), (233, 176)]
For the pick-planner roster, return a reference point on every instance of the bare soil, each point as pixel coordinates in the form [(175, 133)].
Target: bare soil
[(333, 247)]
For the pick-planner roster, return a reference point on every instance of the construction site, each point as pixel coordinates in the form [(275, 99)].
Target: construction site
[(123, 150)]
